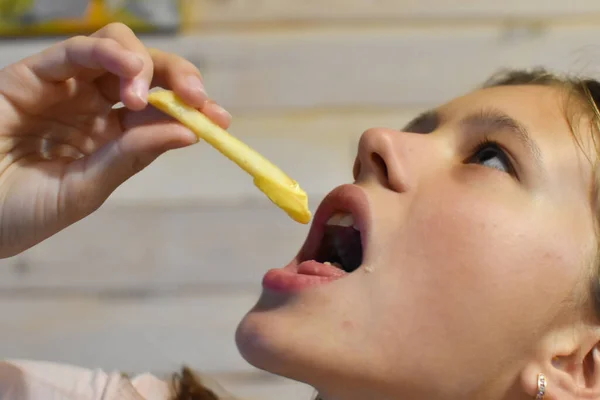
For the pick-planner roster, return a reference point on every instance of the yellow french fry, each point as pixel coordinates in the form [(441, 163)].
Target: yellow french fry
[(279, 188)]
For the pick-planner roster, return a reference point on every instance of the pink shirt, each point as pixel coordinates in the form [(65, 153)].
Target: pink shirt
[(33, 380)]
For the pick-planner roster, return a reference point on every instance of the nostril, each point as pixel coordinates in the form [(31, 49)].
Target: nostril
[(380, 166)]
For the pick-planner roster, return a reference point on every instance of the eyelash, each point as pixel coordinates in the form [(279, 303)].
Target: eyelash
[(487, 143)]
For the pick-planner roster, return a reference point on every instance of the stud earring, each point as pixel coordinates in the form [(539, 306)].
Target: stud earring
[(541, 387)]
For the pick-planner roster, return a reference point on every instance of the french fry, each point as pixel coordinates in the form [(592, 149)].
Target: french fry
[(279, 188)]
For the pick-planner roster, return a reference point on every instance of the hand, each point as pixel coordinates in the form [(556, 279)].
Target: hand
[(64, 148)]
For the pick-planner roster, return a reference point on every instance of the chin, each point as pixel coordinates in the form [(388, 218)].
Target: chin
[(265, 339), (262, 342), (283, 335), (277, 335)]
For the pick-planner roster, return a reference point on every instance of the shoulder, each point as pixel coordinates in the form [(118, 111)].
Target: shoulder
[(40, 380), (33, 380)]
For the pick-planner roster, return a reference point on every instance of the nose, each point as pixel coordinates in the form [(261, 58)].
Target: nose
[(380, 158)]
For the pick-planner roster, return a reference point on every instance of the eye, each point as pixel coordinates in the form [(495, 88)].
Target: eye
[(490, 154)]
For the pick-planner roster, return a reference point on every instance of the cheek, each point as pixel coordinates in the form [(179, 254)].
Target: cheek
[(467, 239), (468, 268)]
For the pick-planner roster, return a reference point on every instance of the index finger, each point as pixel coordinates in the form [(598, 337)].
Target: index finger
[(36, 82), (76, 55), (134, 90)]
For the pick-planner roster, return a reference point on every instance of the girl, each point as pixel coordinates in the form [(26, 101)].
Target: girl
[(462, 263)]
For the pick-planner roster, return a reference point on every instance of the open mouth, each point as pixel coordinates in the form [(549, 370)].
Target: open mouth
[(341, 245), (335, 246), (339, 233)]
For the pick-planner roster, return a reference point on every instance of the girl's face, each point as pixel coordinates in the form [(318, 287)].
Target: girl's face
[(476, 230)]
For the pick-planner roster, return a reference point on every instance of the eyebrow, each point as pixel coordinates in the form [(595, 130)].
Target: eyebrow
[(492, 119), (426, 122)]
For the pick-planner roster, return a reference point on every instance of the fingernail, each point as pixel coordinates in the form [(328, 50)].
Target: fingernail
[(193, 138), (140, 89), (196, 85)]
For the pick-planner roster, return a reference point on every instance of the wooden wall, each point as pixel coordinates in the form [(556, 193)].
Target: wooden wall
[(163, 272)]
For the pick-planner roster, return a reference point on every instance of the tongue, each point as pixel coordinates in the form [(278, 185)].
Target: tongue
[(315, 268)]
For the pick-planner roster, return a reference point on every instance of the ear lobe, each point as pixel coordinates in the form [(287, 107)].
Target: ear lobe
[(567, 377), (531, 380)]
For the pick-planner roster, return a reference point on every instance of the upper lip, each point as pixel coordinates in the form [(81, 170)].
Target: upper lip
[(348, 198)]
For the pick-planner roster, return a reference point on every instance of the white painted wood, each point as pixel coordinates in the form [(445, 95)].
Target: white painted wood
[(364, 68), (145, 251), (156, 335), (374, 68), (215, 12), (370, 68)]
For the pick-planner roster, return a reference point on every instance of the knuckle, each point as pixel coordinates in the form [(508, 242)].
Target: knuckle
[(76, 44), (76, 41), (19, 71), (171, 59), (160, 55), (187, 64), (107, 44), (78, 38), (118, 28)]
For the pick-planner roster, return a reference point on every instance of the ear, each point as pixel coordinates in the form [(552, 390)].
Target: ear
[(570, 362)]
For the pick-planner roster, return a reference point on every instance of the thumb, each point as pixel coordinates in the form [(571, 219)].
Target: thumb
[(92, 179)]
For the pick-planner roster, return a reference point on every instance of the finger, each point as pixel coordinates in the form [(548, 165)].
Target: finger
[(213, 111), (180, 75), (217, 114), (38, 81), (152, 133), (149, 116), (78, 54), (170, 71), (133, 90), (92, 179)]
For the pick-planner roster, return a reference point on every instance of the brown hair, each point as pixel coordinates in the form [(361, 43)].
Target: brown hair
[(586, 93), (186, 385)]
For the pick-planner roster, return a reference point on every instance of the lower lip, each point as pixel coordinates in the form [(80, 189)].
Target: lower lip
[(299, 277)]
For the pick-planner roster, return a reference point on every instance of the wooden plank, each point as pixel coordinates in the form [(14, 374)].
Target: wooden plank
[(372, 68), (213, 12), (153, 335), (146, 251), (365, 68)]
